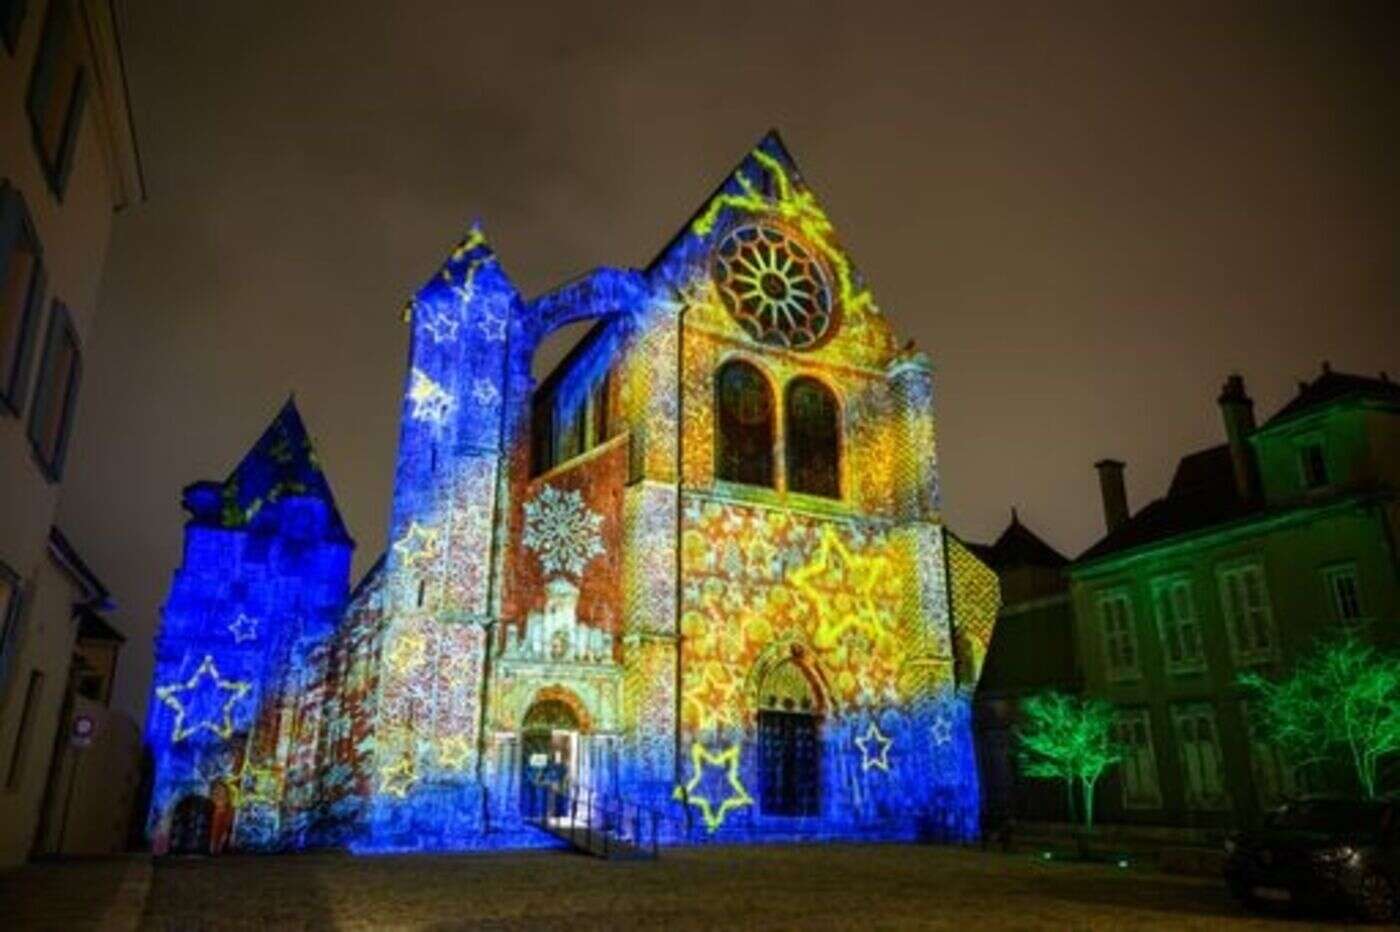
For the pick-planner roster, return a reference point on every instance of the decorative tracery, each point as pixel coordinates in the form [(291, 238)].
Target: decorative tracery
[(773, 287)]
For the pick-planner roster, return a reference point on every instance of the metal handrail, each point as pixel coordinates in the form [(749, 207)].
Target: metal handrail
[(608, 815)]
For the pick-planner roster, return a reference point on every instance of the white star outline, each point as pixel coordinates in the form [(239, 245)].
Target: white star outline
[(869, 757), (441, 326), (485, 393), (243, 628), (431, 402), (942, 729), (492, 325)]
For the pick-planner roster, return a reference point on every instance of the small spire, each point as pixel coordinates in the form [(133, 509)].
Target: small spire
[(1326, 367), (1015, 518)]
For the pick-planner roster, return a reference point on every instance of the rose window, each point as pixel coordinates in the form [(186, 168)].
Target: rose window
[(773, 287)]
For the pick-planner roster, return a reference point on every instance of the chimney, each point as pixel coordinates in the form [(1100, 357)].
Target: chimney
[(1237, 411), (1115, 494)]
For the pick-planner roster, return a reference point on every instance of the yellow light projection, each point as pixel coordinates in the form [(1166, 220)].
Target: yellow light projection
[(728, 759)]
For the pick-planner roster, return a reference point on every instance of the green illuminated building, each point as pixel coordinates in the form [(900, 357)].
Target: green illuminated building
[(1281, 534)]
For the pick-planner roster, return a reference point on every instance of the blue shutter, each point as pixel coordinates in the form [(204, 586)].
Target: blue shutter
[(71, 127), (70, 398), (15, 230), (41, 80)]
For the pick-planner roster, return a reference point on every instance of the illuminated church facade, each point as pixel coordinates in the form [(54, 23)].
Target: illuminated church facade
[(700, 568)]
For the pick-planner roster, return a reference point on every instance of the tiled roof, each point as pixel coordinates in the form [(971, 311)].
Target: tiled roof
[(1203, 493), (1331, 387), (1018, 545)]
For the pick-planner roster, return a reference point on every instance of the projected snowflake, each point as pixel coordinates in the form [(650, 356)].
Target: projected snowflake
[(773, 287), (562, 531)]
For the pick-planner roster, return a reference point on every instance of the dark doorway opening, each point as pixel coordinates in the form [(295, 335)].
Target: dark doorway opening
[(789, 763), (548, 737), (191, 825)]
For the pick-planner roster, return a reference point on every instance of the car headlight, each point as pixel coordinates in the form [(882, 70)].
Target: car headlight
[(1334, 855)]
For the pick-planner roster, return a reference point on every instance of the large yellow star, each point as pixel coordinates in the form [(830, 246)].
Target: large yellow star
[(207, 672), (842, 588), (729, 760)]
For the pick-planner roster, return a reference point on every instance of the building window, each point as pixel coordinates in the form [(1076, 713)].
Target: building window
[(1275, 780), (567, 421), (1119, 639), (21, 296), (1177, 623), (1312, 461), (9, 621), (11, 18), (28, 711), (1345, 593), (57, 92), (1132, 731), (745, 420), (813, 438), (56, 393), (1247, 613), (1202, 764)]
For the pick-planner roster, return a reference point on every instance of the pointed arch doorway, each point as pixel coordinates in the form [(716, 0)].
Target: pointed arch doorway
[(789, 742), (549, 744)]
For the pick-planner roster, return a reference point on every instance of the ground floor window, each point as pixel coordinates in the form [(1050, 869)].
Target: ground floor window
[(1141, 790), (1202, 764)]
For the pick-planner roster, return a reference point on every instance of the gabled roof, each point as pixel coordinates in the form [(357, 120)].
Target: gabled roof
[(1018, 545), (282, 462), (1331, 387), (1202, 494), (772, 145)]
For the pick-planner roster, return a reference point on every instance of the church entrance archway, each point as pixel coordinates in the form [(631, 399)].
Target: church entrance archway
[(191, 825), (549, 740), (789, 743)]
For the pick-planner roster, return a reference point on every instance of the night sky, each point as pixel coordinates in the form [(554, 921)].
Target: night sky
[(1087, 218)]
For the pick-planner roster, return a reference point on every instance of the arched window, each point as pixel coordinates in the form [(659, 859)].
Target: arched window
[(745, 422), (813, 439)]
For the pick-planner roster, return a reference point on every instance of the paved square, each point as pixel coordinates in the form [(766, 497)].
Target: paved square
[(822, 887)]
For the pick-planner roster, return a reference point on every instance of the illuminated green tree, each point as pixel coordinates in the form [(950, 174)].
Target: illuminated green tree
[(1341, 701), (1068, 738)]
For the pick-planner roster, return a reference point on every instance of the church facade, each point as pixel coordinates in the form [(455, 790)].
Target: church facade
[(701, 568)]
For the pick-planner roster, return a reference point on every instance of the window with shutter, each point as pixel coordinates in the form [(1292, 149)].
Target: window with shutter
[(22, 281)]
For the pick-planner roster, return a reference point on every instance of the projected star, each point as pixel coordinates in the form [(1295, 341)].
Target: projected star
[(204, 702), (874, 749), (407, 652), (243, 629), (454, 751), (418, 544), (942, 728), (702, 760), (485, 393), (492, 325), (397, 779), (441, 326), (430, 402)]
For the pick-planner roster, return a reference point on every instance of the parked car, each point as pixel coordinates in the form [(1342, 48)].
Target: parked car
[(1321, 853)]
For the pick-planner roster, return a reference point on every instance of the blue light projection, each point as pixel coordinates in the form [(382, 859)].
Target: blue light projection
[(569, 596)]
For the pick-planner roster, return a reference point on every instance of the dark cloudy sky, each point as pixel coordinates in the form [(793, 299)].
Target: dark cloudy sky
[(1087, 215)]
